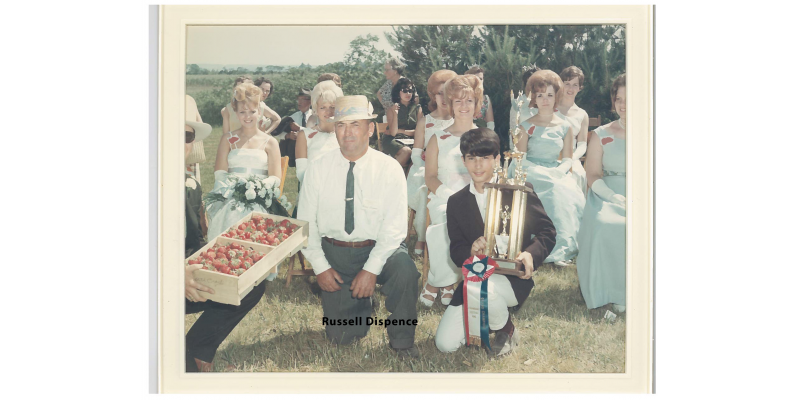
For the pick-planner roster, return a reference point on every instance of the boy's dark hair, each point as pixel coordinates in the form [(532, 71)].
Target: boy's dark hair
[(480, 142), (401, 84)]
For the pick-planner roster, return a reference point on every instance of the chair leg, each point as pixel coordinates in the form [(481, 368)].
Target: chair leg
[(289, 272), (411, 216)]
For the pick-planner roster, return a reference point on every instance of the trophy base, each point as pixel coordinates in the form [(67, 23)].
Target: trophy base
[(509, 267)]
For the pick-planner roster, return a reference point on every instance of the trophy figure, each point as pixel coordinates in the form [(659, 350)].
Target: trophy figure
[(502, 239)]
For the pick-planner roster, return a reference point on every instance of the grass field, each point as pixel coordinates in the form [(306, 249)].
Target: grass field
[(284, 332)]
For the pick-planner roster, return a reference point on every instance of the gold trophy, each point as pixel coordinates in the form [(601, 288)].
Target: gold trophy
[(504, 246)]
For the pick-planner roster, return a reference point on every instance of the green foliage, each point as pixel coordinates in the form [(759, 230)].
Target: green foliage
[(502, 50), (598, 50)]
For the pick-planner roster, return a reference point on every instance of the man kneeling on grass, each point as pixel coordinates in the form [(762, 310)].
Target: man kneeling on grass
[(480, 149), (355, 203)]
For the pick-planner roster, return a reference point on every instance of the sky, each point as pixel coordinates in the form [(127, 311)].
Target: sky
[(276, 45)]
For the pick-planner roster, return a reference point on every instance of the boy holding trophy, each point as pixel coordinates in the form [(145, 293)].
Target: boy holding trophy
[(504, 288)]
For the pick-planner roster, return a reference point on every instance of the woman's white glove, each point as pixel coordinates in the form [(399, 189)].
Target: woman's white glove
[(220, 179), (579, 151), (444, 192), (416, 157), (301, 164), (490, 125), (600, 188), (565, 166)]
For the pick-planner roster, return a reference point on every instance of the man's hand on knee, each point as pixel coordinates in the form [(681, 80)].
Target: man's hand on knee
[(327, 280), (364, 284)]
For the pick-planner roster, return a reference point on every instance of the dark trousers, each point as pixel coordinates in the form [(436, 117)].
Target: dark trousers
[(216, 323), (398, 278)]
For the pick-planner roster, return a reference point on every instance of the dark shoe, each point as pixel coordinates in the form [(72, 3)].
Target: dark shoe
[(503, 344), (411, 352)]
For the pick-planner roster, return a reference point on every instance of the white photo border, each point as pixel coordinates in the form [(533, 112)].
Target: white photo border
[(637, 378)]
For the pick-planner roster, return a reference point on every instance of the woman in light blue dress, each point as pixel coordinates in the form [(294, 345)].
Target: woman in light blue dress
[(544, 138), (601, 262)]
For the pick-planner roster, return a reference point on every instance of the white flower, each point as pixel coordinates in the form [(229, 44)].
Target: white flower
[(250, 185), (250, 194), (285, 202), (258, 185), (263, 192), (276, 191), (268, 202), (191, 183)]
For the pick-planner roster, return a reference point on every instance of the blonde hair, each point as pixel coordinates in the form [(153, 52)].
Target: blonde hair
[(462, 86), (246, 93), (326, 91), (541, 79), (436, 79)]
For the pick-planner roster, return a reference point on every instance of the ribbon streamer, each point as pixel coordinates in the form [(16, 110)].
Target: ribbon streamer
[(478, 269)]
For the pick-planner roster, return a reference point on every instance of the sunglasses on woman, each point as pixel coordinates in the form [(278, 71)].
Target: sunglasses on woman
[(408, 90), (189, 137)]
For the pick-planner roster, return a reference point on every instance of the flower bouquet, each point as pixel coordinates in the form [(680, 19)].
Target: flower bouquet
[(245, 193)]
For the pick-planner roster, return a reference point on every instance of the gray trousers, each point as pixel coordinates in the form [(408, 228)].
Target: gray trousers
[(398, 278)]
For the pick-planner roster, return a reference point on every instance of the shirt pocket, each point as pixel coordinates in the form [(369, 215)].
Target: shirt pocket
[(370, 205)]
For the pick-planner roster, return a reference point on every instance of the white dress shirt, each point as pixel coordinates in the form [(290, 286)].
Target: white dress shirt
[(380, 206), (480, 198)]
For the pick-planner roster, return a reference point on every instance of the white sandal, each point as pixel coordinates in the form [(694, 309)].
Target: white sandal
[(426, 292), (446, 300)]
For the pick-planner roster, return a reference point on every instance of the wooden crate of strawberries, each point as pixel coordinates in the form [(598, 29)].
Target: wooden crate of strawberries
[(240, 258)]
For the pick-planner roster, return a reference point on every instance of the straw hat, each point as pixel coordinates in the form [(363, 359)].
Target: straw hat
[(201, 130), (349, 108)]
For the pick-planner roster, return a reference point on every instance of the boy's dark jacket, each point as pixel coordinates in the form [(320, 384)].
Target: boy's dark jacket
[(464, 226)]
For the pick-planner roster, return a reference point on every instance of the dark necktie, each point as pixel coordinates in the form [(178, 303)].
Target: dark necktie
[(349, 224), (303, 123)]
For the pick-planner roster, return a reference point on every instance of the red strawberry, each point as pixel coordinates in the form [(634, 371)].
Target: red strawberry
[(217, 264), (285, 222), (247, 235), (248, 260), (270, 222), (225, 269), (247, 265), (212, 255)]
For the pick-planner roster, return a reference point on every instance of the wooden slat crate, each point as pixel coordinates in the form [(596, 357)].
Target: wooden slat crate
[(231, 289)]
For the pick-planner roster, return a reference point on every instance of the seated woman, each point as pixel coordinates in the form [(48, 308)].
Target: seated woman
[(269, 119), (438, 119), (445, 174), (314, 142), (484, 118), (601, 261), (266, 117), (545, 137), (402, 117), (244, 152), (465, 226)]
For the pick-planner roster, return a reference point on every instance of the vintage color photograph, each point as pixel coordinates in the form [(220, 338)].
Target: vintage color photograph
[(491, 189)]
